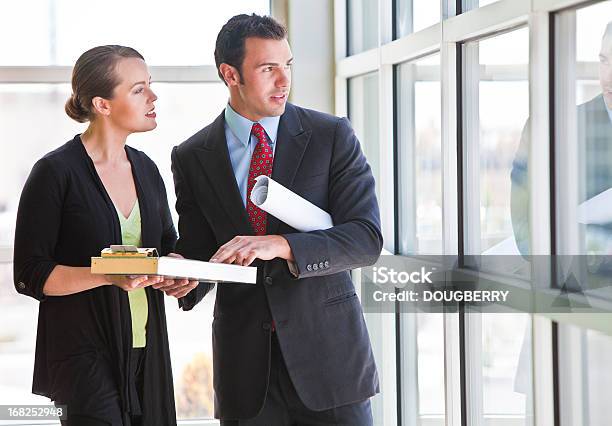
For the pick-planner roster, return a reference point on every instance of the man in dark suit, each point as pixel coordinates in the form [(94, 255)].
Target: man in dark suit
[(594, 133), (294, 348)]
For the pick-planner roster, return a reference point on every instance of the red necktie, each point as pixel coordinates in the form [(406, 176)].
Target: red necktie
[(261, 164)]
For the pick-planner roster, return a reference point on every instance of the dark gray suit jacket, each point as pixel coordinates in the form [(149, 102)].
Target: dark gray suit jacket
[(318, 317), (594, 132)]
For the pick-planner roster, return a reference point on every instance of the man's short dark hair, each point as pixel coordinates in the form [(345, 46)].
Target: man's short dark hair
[(229, 47)]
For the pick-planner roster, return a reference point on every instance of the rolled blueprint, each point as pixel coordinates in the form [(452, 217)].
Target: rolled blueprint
[(287, 206)]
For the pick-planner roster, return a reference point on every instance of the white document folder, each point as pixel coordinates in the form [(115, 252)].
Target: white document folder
[(174, 267)]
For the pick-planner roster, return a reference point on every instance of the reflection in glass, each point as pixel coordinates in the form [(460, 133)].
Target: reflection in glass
[(34, 123), (56, 32), (506, 369), (420, 156), (414, 15), (496, 104), (363, 113), (585, 373), (584, 123), (362, 20)]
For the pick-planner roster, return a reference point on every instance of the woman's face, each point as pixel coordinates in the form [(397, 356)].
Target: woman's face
[(132, 108)]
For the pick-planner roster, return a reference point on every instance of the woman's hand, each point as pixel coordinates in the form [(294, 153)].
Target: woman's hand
[(132, 282), (176, 287)]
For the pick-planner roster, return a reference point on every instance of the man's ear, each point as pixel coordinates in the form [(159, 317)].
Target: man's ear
[(230, 74), (101, 106)]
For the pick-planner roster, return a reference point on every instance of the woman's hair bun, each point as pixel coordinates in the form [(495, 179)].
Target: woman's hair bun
[(75, 110)]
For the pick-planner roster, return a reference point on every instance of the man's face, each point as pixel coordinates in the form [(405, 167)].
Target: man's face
[(266, 79), (605, 69)]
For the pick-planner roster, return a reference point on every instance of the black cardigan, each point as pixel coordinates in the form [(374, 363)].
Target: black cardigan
[(65, 217)]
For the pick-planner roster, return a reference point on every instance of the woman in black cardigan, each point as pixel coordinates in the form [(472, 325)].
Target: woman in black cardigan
[(68, 213)]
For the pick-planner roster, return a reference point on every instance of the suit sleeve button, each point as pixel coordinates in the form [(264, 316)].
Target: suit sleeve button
[(315, 266), (326, 263), (309, 267), (21, 285), (321, 265), (266, 326)]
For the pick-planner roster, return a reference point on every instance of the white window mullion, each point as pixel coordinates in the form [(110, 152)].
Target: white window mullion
[(539, 211)]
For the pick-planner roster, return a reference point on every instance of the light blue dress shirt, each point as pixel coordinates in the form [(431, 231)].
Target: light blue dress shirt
[(609, 111), (241, 144)]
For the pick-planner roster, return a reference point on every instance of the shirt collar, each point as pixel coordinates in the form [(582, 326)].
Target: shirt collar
[(609, 110), (241, 126)]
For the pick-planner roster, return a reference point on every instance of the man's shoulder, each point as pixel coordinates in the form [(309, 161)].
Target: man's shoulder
[(202, 137), (314, 118)]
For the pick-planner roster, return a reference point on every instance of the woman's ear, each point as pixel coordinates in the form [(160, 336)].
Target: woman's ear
[(101, 106)]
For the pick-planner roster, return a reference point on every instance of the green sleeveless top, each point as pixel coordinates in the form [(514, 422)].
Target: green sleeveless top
[(139, 308)]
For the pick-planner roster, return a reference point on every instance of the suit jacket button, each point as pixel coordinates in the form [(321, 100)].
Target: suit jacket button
[(266, 326), (321, 265), (315, 266), (21, 285), (268, 280), (309, 267), (326, 263)]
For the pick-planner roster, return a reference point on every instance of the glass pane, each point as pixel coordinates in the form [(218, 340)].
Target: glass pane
[(584, 130), (506, 369), (496, 109), (362, 20), (180, 113), (430, 344), (422, 349), (178, 33), (420, 156), (585, 374), (583, 141), (414, 15), (363, 113), (474, 4)]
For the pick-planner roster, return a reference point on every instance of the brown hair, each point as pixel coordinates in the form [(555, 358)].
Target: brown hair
[(94, 75)]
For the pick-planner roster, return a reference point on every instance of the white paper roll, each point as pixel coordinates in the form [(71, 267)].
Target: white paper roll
[(288, 207)]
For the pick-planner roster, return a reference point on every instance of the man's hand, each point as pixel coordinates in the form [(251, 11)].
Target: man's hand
[(176, 287), (243, 250)]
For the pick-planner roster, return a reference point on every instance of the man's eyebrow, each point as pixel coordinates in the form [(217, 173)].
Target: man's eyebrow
[(272, 64)]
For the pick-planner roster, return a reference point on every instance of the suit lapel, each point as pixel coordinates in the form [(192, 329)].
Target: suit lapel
[(214, 158), (291, 143)]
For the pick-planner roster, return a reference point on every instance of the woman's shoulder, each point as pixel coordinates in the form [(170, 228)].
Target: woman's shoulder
[(60, 159)]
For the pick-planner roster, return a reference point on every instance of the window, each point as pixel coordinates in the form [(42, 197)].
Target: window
[(181, 33), (362, 25), (363, 113), (474, 4), (496, 110), (584, 129), (583, 141), (499, 358), (585, 374), (414, 15), (420, 156)]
